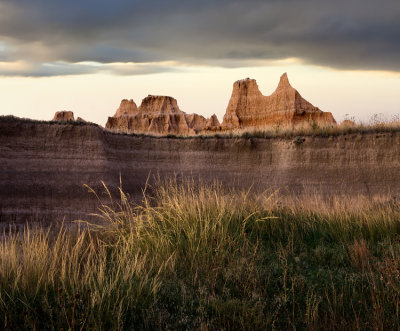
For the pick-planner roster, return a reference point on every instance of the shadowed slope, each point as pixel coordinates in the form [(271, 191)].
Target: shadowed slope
[(44, 166)]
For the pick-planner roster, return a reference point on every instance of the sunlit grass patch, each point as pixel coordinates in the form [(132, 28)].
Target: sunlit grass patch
[(200, 256)]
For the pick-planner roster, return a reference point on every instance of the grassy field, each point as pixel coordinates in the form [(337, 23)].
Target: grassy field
[(197, 256)]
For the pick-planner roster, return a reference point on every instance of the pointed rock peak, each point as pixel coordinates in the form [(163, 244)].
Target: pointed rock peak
[(214, 118), (126, 108), (245, 82), (213, 122), (128, 104), (284, 82), (245, 87)]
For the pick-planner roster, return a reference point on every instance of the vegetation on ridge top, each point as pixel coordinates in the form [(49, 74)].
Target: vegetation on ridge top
[(375, 125)]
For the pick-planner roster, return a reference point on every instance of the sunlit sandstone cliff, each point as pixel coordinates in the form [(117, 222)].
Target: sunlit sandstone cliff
[(156, 115), (44, 166), (249, 108)]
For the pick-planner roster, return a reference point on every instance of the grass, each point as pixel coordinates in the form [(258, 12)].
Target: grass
[(198, 256), (13, 119), (377, 124), (284, 132)]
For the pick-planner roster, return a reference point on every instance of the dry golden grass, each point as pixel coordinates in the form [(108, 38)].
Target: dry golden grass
[(198, 256)]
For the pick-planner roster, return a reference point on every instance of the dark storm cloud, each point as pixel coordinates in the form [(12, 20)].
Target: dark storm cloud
[(354, 34)]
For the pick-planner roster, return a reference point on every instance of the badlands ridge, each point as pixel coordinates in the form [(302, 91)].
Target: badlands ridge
[(247, 108), (45, 165)]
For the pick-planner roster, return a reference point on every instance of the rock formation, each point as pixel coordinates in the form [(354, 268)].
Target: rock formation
[(64, 116), (196, 122), (156, 115), (249, 108), (127, 107), (212, 124)]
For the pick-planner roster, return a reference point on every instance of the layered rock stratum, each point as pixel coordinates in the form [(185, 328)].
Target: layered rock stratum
[(43, 166), (156, 115), (248, 107)]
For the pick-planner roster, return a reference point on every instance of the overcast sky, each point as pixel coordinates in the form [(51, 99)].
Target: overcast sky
[(85, 55)]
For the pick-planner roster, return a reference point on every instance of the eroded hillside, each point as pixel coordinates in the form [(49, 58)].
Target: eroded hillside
[(44, 166)]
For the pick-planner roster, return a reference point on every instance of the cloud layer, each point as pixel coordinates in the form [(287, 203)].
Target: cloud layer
[(47, 37)]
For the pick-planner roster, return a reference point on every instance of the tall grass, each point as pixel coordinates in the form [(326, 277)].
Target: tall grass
[(198, 256)]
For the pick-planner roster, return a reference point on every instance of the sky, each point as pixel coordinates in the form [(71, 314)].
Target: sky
[(85, 56)]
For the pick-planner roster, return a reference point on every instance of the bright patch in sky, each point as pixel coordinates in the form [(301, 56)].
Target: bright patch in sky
[(199, 89)]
